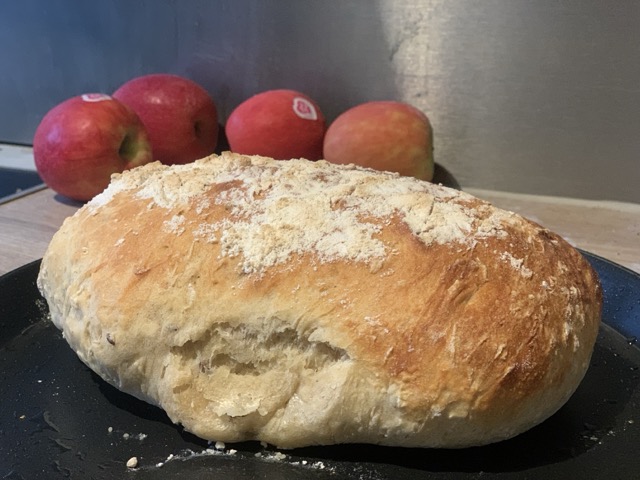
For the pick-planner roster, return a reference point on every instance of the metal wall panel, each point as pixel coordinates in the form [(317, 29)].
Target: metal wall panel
[(530, 96)]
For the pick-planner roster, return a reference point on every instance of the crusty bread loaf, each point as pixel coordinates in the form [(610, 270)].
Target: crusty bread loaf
[(303, 303)]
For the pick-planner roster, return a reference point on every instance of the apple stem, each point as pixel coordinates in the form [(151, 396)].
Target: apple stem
[(127, 148), (197, 129)]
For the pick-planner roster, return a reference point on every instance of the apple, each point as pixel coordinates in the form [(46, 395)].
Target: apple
[(282, 124), (80, 142), (180, 116), (383, 135)]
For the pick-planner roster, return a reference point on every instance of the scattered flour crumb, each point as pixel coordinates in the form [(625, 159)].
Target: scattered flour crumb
[(279, 456), (319, 465), (132, 462), (267, 456), (174, 225), (516, 264), (128, 436)]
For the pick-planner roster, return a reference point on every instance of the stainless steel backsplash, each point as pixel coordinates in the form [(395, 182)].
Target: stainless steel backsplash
[(530, 96)]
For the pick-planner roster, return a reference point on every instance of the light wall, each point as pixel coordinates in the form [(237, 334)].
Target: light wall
[(528, 96)]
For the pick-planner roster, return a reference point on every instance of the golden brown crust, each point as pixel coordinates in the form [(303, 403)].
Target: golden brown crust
[(250, 305)]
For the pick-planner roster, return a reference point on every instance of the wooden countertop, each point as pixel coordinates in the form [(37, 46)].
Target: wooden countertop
[(608, 229)]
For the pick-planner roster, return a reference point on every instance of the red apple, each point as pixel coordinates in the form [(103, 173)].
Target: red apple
[(281, 124), (383, 135), (180, 116), (83, 140)]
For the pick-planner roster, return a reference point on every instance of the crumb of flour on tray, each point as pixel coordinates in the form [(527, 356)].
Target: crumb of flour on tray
[(220, 449), (132, 462)]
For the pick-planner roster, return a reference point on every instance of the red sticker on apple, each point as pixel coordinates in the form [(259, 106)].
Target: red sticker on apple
[(304, 109), (95, 97)]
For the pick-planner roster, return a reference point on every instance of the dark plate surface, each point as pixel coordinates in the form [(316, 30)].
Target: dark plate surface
[(59, 420)]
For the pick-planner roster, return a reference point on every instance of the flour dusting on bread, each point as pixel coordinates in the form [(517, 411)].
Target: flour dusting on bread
[(304, 207)]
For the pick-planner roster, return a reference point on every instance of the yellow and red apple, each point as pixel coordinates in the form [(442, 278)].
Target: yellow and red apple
[(179, 115), (383, 135), (82, 141)]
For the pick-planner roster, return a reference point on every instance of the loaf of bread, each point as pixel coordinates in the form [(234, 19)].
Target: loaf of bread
[(305, 303)]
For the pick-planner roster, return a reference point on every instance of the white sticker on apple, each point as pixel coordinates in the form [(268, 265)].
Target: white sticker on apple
[(304, 109), (95, 97)]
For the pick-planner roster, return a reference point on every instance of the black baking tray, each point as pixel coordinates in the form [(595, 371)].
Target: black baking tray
[(59, 420)]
